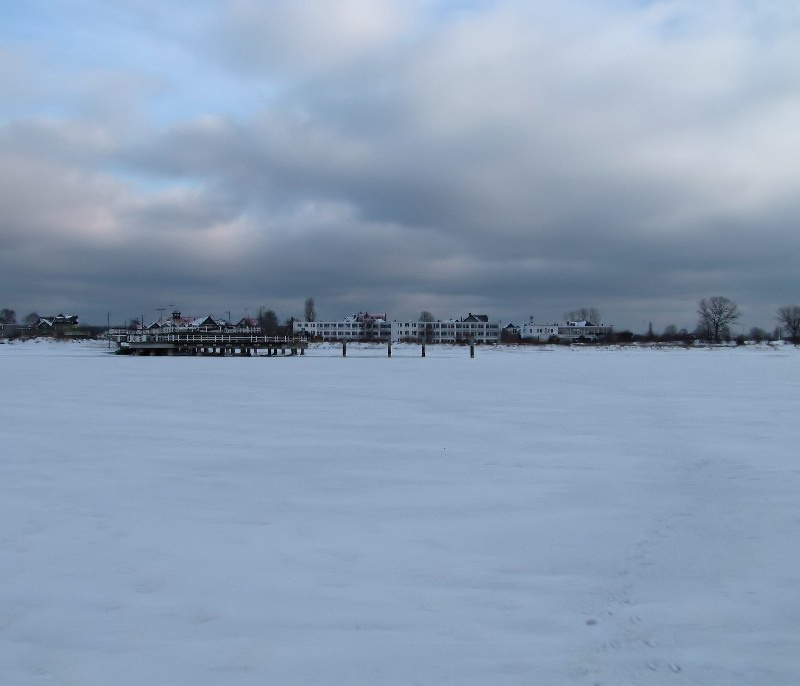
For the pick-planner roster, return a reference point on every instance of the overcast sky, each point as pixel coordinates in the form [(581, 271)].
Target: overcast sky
[(513, 157)]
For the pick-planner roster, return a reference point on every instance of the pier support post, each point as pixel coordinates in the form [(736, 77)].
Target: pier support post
[(423, 348), (389, 349), (344, 348), (472, 348)]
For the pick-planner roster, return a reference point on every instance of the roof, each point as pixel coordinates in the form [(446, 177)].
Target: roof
[(208, 321)]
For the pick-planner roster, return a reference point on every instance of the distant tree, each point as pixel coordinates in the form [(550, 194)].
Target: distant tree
[(268, 321), (670, 333), (288, 328), (426, 331), (715, 315), (310, 312), (8, 316), (584, 314), (506, 336), (702, 332), (650, 335), (789, 317), (30, 319), (758, 335)]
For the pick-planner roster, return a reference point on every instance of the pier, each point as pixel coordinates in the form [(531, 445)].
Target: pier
[(217, 342)]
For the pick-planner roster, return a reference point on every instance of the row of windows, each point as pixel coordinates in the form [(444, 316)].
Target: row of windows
[(431, 327), (350, 327)]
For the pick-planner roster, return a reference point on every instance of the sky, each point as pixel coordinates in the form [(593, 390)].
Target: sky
[(518, 158)]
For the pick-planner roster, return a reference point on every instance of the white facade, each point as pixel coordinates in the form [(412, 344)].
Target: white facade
[(473, 327), (358, 327), (538, 332), (570, 331), (363, 327)]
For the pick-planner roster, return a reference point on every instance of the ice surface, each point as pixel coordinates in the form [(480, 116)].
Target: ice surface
[(530, 516)]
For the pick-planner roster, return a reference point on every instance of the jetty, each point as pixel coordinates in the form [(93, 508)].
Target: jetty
[(209, 341)]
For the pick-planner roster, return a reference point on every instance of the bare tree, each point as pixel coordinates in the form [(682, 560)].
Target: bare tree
[(8, 316), (426, 331), (715, 315), (31, 319), (584, 314), (367, 327), (670, 333), (310, 312), (789, 318), (268, 321), (756, 334)]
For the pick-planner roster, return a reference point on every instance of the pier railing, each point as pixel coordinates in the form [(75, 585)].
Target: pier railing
[(210, 337)]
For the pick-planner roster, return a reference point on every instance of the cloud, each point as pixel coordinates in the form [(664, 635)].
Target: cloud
[(520, 156), (308, 36)]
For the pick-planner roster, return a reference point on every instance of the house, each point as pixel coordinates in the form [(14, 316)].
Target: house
[(568, 332), (208, 322), (248, 323), (510, 333), (177, 322), (55, 326)]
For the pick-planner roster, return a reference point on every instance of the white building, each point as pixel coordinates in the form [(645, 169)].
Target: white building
[(570, 331), (369, 326), (475, 327), (364, 326)]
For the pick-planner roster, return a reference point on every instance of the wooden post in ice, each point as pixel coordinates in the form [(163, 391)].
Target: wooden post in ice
[(472, 347), (423, 347), (344, 348), (389, 349)]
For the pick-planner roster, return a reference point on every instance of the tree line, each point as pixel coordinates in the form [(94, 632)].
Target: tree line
[(9, 317), (715, 316), (271, 326)]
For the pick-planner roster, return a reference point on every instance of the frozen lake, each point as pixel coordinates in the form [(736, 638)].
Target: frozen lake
[(530, 516)]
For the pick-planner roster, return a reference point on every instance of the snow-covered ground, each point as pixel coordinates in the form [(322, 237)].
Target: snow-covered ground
[(530, 516)]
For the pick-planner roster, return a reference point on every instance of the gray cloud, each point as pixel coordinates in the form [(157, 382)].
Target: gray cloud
[(513, 157)]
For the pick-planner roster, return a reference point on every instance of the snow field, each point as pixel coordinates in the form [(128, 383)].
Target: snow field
[(532, 516)]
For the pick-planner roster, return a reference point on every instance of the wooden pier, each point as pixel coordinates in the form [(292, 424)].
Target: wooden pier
[(220, 342), (210, 342)]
